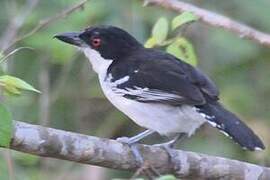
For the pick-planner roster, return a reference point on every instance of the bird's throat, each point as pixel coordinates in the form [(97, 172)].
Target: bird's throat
[(99, 64)]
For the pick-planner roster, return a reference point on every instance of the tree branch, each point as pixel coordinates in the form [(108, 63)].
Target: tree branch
[(215, 19), (45, 22), (85, 149), (15, 24)]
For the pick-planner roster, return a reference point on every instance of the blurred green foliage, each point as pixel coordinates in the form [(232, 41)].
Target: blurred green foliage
[(6, 126), (177, 45), (12, 86), (239, 67), (183, 18)]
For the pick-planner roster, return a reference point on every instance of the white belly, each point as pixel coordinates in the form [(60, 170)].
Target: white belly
[(164, 119)]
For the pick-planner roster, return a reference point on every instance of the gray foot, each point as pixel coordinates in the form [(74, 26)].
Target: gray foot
[(132, 143), (168, 147), (124, 140), (134, 149), (172, 154)]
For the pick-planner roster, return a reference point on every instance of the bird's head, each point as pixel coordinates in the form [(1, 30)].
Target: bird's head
[(108, 41)]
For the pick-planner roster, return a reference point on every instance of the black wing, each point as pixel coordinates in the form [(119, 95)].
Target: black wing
[(157, 77)]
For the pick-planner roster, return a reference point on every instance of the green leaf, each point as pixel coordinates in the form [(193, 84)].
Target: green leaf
[(160, 30), (167, 177), (151, 42), (5, 126), (183, 49), (185, 17), (13, 85)]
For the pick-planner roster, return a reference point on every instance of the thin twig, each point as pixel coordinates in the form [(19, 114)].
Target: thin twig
[(3, 59), (16, 23), (45, 22), (215, 20)]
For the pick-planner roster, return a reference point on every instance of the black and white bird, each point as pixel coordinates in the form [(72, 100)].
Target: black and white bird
[(155, 89)]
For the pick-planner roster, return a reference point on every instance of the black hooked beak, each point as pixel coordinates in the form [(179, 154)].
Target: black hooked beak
[(71, 38)]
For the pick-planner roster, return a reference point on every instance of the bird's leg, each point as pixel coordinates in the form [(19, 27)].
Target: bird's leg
[(132, 144), (172, 143), (135, 139), (168, 147)]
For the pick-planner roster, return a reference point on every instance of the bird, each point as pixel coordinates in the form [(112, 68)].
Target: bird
[(155, 89)]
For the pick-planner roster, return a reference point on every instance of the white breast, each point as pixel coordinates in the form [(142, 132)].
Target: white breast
[(164, 119), (99, 64)]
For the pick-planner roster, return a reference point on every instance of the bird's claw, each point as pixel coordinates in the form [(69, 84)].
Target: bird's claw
[(134, 149), (125, 140), (172, 154), (137, 155)]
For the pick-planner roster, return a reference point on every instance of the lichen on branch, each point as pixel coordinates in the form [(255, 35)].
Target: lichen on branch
[(59, 144)]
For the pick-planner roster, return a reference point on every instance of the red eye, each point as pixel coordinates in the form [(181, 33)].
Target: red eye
[(96, 42)]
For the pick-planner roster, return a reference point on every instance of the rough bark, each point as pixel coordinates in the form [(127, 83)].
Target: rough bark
[(215, 20), (92, 150)]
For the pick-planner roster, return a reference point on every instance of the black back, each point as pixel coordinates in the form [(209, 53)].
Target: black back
[(163, 73)]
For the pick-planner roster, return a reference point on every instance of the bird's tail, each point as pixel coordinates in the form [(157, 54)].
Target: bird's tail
[(230, 125)]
